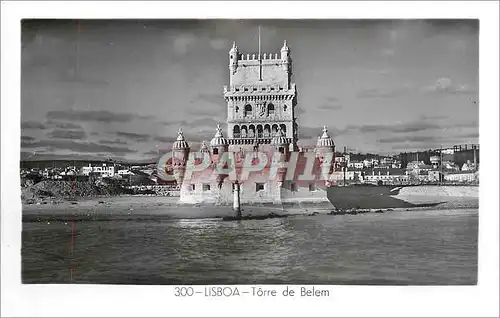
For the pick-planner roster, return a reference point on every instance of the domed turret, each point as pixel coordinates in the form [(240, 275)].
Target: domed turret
[(279, 138), (325, 152), (233, 58), (204, 147), (180, 153), (219, 140), (325, 141), (285, 48), (180, 143)]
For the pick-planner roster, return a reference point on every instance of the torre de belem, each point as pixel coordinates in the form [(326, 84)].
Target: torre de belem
[(260, 142)]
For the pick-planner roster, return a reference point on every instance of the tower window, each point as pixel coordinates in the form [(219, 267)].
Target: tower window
[(270, 109), (246, 89), (237, 108), (206, 187), (259, 187), (255, 89), (284, 107), (263, 88), (193, 187), (216, 151), (281, 149), (248, 109), (231, 57)]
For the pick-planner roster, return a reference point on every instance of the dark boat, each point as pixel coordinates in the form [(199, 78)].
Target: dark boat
[(367, 196)]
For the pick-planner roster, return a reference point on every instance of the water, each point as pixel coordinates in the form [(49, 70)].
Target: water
[(429, 247)]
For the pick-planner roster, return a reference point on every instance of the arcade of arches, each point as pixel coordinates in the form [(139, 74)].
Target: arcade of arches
[(258, 130)]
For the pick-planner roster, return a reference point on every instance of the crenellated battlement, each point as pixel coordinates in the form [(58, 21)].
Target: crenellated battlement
[(255, 57), (262, 90)]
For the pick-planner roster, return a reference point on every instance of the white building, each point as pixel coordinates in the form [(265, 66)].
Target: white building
[(355, 164), (387, 176), (104, 170)]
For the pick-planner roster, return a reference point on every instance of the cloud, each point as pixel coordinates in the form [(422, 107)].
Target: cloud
[(31, 156), (444, 85), (133, 136), (102, 116), (388, 52), (62, 125), (402, 127), (315, 132), (219, 44), (383, 92), (89, 147), (67, 134), (214, 98), (27, 138), (112, 142), (32, 125), (409, 138), (331, 103), (182, 43), (165, 139)]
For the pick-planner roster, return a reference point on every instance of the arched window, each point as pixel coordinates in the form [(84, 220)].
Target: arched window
[(274, 129), (248, 110), (251, 131), (236, 131), (237, 108), (270, 109), (260, 131), (283, 128), (267, 130)]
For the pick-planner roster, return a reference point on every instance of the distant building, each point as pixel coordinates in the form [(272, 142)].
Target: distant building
[(469, 166), (386, 176), (462, 176), (105, 171), (355, 164)]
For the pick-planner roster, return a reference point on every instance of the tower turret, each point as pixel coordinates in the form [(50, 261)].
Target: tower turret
[(219, 146), (279, 141), (233, 58), (285, 57), (325, 151), (281, 145), (180, 153), (204, 147)]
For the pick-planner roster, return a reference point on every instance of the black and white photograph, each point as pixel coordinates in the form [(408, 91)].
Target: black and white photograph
[(232, 152)]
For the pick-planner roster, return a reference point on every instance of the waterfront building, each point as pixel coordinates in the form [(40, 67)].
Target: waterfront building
[(261, 122)]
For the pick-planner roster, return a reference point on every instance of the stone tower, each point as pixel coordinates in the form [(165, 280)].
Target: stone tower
[(260, 98), (325, 152), (180, 153)]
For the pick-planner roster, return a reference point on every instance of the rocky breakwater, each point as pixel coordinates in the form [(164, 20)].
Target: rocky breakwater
[(62, 190)]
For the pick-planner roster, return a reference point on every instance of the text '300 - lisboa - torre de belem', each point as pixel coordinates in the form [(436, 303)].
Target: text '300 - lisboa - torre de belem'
[(260, 145)]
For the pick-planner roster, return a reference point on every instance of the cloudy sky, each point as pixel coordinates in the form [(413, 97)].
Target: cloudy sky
[(123, 88)]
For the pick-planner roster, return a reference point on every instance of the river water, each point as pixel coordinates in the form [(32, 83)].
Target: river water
[(424, 247)]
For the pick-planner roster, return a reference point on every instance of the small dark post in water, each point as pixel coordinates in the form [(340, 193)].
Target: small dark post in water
[(345, 162), (236, 200)]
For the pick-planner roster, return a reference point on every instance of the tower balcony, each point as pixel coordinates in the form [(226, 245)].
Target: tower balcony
[(251, 140)]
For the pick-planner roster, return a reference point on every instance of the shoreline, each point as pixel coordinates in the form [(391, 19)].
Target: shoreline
[(165, 208)]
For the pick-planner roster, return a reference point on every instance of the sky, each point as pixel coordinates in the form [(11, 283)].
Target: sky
[(123, 88)]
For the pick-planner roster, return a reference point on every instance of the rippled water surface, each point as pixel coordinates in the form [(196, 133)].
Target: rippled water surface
[(434, 247)]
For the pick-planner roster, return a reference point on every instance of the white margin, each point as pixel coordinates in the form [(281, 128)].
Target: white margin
[(347, 301)]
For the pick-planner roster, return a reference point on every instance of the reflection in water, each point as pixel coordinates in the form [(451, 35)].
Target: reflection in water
[(417, 247)]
